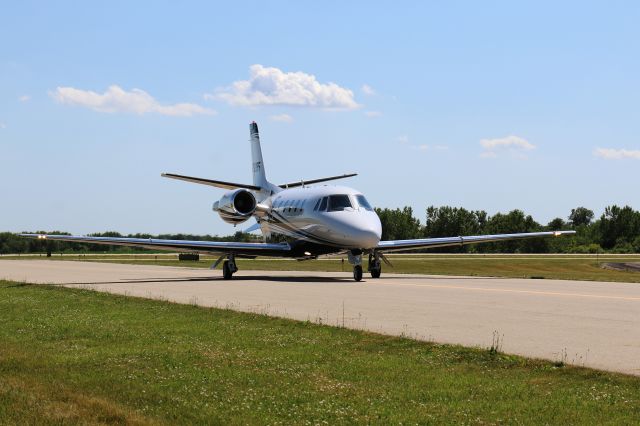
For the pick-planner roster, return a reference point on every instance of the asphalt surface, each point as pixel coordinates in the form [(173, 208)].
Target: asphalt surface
[(593, 324)]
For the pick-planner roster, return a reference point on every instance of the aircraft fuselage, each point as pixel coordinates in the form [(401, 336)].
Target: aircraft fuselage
[(334, 216)]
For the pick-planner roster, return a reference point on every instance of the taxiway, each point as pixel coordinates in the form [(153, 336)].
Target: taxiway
[(594, 324)]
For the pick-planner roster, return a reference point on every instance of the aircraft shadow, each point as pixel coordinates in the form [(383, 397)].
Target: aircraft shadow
[(212, 279), (249, 278)]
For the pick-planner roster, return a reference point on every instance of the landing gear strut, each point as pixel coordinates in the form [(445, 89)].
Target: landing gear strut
[(229, 267), (375, 266)]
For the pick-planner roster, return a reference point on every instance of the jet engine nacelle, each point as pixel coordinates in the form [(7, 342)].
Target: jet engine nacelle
[(236, 206)]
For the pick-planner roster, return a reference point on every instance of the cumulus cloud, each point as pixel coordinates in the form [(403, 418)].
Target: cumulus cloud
[(616, 154), (514, 144), (272, 86), (372, 114), (24, 98), (285, 118), (116, 99), (367, 90)]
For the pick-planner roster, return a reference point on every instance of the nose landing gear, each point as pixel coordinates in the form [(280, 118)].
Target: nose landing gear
[(374, 267), (357, 272), (355, 258)]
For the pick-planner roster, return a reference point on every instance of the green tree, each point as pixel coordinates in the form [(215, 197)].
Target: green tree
[(446, 221), (556, 224), (618, 226), (580, 216), (399, 224), (511, 223)]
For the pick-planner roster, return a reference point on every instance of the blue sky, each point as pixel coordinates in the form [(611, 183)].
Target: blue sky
[(492, 105)]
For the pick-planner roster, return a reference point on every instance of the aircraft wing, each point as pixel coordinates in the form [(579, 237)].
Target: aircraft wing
[(425, 243), (238, 248)]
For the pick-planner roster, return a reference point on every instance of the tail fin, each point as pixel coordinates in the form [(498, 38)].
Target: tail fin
[(259, 177)]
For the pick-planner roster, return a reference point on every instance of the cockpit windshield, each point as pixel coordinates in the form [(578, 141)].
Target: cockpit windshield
[(338, 203), (362, 201)]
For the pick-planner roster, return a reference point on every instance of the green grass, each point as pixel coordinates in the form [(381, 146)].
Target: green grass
[(78, 356), (574, 267)]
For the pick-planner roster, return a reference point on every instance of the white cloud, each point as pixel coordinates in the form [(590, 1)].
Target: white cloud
[(285, 118), (403, 139), (115, 99), (372, 114), (272, 86), (616, 154), (367, 90), (24, 98), (513, 144), (3, 126)]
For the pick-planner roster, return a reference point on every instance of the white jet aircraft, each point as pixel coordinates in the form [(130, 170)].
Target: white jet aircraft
[(320, 220)]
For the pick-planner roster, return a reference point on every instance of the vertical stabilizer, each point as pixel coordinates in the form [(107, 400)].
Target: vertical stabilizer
[(259, 177)]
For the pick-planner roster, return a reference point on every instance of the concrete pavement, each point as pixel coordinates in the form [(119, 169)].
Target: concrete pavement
[(585, 323)]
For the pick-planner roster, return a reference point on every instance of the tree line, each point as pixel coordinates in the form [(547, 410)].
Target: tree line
[(617, 230), (11, 243)]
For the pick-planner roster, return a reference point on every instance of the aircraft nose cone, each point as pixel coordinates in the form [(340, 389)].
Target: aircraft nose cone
[(369, 235)]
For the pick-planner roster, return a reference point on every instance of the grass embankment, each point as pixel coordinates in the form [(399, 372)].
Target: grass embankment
[(78, 356), (573, 267)]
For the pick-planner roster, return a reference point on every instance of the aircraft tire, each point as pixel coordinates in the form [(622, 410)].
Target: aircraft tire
[(357, 272), (226, 271), (375, 273)]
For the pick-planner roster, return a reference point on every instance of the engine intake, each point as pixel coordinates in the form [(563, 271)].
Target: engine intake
[(236, 206)]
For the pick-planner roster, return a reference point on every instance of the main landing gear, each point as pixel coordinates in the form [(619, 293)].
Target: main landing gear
[(229, 267), (375, 266)]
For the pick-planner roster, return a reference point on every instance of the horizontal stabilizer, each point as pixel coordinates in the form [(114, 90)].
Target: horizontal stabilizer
[(216, 183), (312, 181)]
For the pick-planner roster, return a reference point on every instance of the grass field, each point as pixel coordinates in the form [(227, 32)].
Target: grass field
[(77, 356), (574, 267)]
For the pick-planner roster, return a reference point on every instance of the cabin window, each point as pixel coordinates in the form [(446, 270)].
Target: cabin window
[(317, 204), (338, 203), (323, 205), (362, 201)]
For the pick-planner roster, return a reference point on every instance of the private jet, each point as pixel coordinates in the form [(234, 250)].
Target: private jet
[(317, 220)]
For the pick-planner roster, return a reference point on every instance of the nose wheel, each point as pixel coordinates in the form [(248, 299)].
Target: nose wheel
[(357, 272)]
